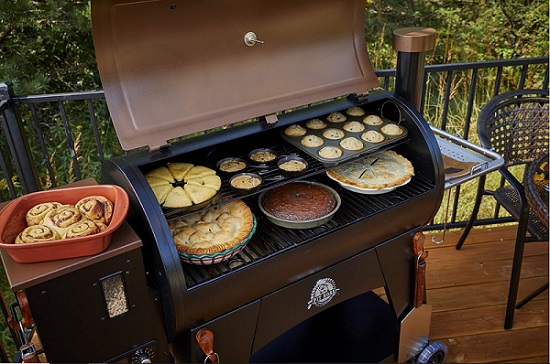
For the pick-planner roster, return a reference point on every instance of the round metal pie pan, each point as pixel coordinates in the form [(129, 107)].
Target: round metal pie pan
[(305, 224)]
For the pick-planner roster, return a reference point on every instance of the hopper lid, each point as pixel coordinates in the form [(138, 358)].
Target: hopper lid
[(173, 68)]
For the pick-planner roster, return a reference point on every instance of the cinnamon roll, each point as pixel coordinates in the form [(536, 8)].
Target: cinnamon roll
[(37, 234), (82, 228), (36, 215), (63, 217), (96, 208)]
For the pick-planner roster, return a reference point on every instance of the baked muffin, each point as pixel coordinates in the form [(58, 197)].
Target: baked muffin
[(353, 127), (295, 131), (373, 136), (336, 117), (316, 124), (373, 120), (392, 129), (330, 152), (312, 141), (355, 111), (351, 143), (299, 201), (333, 134)]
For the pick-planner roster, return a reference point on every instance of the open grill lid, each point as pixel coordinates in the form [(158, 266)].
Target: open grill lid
[(172, 68)]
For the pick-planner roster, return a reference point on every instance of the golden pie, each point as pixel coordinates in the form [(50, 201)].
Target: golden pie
[(380, 170), (180, 185), (213, 230)]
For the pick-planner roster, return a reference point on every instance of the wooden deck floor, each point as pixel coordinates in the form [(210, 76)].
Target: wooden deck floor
[(468, 289)]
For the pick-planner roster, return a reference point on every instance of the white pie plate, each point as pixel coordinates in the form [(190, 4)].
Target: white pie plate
[(368, 191)]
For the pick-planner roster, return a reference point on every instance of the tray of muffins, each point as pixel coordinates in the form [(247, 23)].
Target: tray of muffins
[(338, 136)]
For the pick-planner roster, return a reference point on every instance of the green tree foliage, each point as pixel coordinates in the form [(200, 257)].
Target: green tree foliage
[(468, 31), (46, 46)]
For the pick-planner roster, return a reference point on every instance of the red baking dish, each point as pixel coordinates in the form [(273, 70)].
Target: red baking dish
[(12, 222)]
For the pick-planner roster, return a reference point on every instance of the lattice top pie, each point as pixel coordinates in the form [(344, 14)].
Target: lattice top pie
[(213, 230), (380, 170)]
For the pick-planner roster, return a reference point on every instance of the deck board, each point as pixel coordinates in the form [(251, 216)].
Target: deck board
[(468, 289)]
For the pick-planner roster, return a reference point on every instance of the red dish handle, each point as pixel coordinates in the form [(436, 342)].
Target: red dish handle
[(8, 236)]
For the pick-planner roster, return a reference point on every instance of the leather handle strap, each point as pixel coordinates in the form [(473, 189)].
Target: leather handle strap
[(420, 268), (205, 339), (420, 285)]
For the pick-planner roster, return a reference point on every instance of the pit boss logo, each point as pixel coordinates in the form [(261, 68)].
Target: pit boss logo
[(324, 290)]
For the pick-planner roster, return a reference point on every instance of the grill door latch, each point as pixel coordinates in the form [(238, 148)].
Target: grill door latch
[(205, 338)]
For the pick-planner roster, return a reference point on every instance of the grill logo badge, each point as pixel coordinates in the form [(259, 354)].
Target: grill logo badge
[(324, 290)]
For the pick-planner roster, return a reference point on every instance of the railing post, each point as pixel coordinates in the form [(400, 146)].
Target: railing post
[(18, 142), (410, 44)]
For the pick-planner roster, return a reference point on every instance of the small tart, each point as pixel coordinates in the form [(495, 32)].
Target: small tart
[(295, 131), (213, 230), (336, 117), (378, 171), (353, 127), (373, 136), (316, 124), (232, 165), (330, 152), (355, 111), (333, 134), (373, 120), (312, 141)]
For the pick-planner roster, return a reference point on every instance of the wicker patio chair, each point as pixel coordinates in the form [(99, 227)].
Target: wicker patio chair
[(515, 125)]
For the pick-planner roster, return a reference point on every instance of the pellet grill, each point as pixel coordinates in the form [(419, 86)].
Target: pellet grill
[(235, 73)]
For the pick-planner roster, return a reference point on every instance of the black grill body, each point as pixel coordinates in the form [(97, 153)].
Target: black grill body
[(260, 294)]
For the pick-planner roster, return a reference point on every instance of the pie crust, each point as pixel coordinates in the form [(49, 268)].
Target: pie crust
[(213, 230), (378, 171)]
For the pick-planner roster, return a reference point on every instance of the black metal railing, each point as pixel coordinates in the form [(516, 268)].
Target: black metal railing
[(51, 140)]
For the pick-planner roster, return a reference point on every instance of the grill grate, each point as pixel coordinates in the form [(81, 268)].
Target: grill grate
[(270, 239)]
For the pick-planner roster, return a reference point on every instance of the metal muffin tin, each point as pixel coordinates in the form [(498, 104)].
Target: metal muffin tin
[(367, 147)]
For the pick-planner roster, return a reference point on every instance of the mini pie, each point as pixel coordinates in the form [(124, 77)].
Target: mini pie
[(179, 185), (380, 170), (213, 230)]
